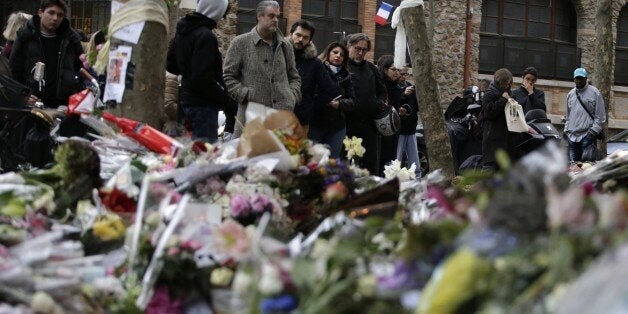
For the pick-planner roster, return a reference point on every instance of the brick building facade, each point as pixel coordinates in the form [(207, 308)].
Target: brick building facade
[(503, 33)]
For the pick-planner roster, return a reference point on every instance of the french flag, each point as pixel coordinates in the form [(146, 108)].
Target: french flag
[(383, 13)]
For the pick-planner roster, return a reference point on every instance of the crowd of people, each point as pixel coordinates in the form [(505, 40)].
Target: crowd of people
[(335, 94)]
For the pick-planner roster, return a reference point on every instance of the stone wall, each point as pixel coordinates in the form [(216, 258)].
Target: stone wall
[(226, 29)]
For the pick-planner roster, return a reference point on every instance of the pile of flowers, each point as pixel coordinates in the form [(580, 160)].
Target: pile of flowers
[(236, 230)]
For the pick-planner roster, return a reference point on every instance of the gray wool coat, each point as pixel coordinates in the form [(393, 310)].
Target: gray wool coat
[(253, 72)]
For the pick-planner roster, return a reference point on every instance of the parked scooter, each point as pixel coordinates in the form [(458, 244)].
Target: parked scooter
[(461, 118)]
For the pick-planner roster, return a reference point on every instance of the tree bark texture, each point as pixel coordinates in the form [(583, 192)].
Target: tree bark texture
[(604, 57), (436, 138), (143, 99)]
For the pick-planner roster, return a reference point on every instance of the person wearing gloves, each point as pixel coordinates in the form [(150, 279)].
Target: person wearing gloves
[(194, 55), (586, 115)]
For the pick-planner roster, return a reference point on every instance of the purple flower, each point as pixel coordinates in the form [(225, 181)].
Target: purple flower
[(283, 304), (161, 303), (404, 276), (259, 203), (240, 206)]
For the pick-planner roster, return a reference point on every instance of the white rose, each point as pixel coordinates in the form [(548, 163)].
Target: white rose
[(242, 282), (270, 283)]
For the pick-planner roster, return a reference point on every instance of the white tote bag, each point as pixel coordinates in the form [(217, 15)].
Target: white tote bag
[(515, 120)]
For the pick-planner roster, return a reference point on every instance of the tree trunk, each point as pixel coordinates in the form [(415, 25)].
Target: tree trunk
[(604, 57), (173, 18), (143, 99), (436, 138)]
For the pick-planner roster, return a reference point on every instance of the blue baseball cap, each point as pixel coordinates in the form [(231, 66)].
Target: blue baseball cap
[(579, 72)]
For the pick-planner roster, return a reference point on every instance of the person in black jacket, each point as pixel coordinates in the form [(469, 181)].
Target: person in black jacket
[(390, 75), (409, 114), (370, 99), (328, 122), (194, 55), (495, 134), (49, 39), (527, 95), (317, 88)]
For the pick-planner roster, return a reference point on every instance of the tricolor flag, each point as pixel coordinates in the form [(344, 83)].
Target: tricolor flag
[(383, 13)]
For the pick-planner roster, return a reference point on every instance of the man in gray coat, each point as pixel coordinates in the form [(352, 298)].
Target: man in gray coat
[(259, 66), (586, 115)]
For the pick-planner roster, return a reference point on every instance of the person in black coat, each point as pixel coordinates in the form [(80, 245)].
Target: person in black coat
[(527, 95), (48, 38), (328, 122), (317, 88), (390, 75), (495, 134), (194, 55), (409, 114), (370, 100)]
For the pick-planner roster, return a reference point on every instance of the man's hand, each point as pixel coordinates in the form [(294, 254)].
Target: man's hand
[(334, 104), (32, 99), (506, 95), (409, 90), (528, 86), (402, 111)]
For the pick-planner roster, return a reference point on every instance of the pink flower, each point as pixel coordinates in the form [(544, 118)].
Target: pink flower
[(240, 206), (335, 192), (162, 303), (231, 239), (173, 251), (259, 203), (191, 245)]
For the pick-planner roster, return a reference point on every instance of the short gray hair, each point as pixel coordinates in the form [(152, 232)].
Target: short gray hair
[(262, 5), (354, 39)]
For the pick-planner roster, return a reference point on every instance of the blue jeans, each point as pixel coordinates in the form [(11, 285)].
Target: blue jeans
[(407, 144), (204, 121), (577, 148), (333, 138)]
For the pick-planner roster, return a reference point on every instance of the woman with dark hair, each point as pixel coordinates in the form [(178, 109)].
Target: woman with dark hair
[(495, 134), (390, 75), (328, 123)]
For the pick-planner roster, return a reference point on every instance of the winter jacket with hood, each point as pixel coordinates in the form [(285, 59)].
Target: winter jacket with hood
[(28, 50), (328, 117), (317, 88), (194, 55), (495, 134)]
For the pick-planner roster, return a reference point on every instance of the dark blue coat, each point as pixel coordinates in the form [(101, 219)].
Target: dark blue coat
[(317, 87)]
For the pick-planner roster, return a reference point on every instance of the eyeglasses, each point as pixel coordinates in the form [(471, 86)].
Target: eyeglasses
[(360, 49), (404, 74), (394, 69)]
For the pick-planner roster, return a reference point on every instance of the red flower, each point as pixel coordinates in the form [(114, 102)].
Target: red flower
[(199, 147), (117, 201)]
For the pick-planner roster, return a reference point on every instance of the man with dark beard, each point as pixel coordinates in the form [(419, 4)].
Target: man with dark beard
[(317, 88)]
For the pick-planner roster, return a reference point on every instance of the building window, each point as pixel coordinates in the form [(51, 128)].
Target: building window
[(516, 34), (90, 16), (621, 49), (247, 18), (333, 19)]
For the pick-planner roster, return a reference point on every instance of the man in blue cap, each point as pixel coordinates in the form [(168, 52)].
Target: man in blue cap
[(586, 116)]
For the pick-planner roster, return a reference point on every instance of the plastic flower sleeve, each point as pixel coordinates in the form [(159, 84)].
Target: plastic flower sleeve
[(154, 268)]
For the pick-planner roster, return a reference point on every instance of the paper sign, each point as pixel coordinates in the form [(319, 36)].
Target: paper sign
[(188, 4), (116, 73), (130, 33), (115, 6)]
